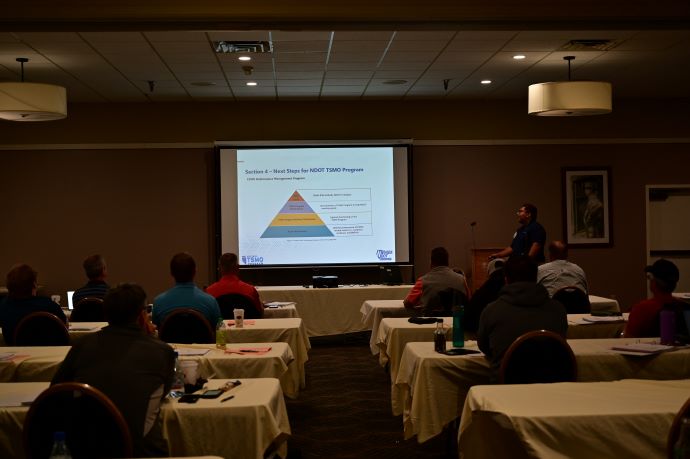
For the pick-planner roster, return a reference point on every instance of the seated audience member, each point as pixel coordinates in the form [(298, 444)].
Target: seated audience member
[(231, 283), (424, 296), (522, 306), (127, 364), (95, 269), (559, 272), (643, 321), (487, 293), (184, 294), (21, 301)]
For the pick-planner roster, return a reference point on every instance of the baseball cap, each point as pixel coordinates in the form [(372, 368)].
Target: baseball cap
[(665, 271)]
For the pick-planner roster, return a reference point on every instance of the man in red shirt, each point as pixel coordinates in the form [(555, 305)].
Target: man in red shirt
[(663, 276), (231, 283)]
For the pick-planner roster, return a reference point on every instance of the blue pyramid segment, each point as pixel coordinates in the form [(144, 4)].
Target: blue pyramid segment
[(297, 231)]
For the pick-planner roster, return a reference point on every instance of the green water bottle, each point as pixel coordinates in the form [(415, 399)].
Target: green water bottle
[(458, 331)]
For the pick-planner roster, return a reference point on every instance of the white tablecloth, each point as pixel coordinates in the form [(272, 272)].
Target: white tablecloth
[(289, 331), (430, 388), (602, 304), (218, 364), (629, 418), (332, 311), (375, 310), (608, 327), (281, 312), (76, 330), (243, 427), (36, 363)]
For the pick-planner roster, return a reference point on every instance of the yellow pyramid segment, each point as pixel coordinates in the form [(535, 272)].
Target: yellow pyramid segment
[(310, 219)]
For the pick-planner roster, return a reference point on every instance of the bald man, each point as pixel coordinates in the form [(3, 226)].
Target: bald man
[(559, 272)]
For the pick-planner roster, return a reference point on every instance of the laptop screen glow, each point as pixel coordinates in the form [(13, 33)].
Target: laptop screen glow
[(70, 306)]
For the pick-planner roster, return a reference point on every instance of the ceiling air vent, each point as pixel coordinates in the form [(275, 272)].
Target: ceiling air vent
[(589, 45), (223, 47)]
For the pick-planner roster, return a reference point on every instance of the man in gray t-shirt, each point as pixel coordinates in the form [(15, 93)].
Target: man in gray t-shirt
[(559, 272)]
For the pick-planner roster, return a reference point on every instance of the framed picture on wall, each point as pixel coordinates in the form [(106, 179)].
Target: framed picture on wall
[(587, 206)]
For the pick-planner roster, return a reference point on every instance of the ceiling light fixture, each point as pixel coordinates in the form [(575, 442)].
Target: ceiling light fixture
[(486, 81), (251, 83), (244, 58), (569, 98), (519, 57), (21, 101)]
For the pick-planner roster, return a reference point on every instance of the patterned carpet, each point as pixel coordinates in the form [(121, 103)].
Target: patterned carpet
[(345, 412)]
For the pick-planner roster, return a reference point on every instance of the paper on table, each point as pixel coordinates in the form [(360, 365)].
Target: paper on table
[(278, 304), (595, 319), (19, 398), (249, 350), (191, 351), (246, 322), (642, 348), (6, 356), (82, 328)]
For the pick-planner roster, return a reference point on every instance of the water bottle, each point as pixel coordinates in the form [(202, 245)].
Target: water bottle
[(60, 450), (177, 388), (439, 337), (220, 334), (458, 331), (681, 450), (667, 322)]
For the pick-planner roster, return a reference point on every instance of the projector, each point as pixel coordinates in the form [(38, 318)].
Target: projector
[(324, 281)]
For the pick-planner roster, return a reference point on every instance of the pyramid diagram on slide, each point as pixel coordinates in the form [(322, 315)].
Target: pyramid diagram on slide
[(297, 219)]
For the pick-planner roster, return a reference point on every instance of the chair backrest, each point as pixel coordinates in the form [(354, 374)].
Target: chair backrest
[(89, 309), (674, 432), (93, 425), (442, 304), (574, 299), (186, 326), (41, 329), (231, 301), (538, 357)]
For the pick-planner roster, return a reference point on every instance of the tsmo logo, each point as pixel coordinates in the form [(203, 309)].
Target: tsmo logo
[(384, 255), (252, 260)]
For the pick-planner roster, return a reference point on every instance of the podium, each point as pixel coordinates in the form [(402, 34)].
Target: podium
[(480, 259)]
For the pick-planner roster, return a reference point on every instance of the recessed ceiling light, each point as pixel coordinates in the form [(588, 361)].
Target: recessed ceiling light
[(244, 58), (519, 57), (486, 81), (251, 83)]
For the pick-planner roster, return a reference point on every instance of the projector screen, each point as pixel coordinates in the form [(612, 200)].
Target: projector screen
[(315, 205)]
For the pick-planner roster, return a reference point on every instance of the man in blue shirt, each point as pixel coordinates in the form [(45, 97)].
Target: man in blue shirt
[(184, 294), (96, 287), (529, 239)]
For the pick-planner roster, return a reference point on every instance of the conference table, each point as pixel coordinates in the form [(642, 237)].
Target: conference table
[(76, 330), (290, 331), (430, 388), (628, 418), (248, 425), (394, 333), (332, 311), (280, 311), (35, 363)]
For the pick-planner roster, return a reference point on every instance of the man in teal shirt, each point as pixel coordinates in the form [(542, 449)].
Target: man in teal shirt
[(184, 294)]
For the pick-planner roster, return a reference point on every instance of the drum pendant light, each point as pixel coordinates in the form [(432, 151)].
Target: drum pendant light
[(21, 101), (569, 98)]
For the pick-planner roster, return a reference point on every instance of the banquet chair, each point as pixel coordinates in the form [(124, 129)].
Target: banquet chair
[(93, 426), (41, 329), (575, 300), (186, 326), (231, 301), (88, 309), (538, 357), (674, 432)]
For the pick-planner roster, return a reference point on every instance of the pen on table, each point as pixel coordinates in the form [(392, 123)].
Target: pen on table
[(227, 398)]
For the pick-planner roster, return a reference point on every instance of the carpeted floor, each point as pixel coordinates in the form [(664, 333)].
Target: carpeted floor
[(345, 411)]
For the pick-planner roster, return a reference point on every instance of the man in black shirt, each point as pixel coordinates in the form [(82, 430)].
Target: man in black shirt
[(529, 239)]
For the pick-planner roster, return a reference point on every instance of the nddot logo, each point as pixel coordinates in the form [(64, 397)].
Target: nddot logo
[(384, 255)]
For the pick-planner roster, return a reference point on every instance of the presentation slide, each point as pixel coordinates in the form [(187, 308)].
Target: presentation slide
[(315, 205)]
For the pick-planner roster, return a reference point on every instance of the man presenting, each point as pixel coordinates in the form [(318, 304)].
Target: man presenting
[(529, 238)]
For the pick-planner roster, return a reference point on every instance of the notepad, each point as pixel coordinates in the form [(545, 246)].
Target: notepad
[(278, 304), (642, 348), (187, 351)]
